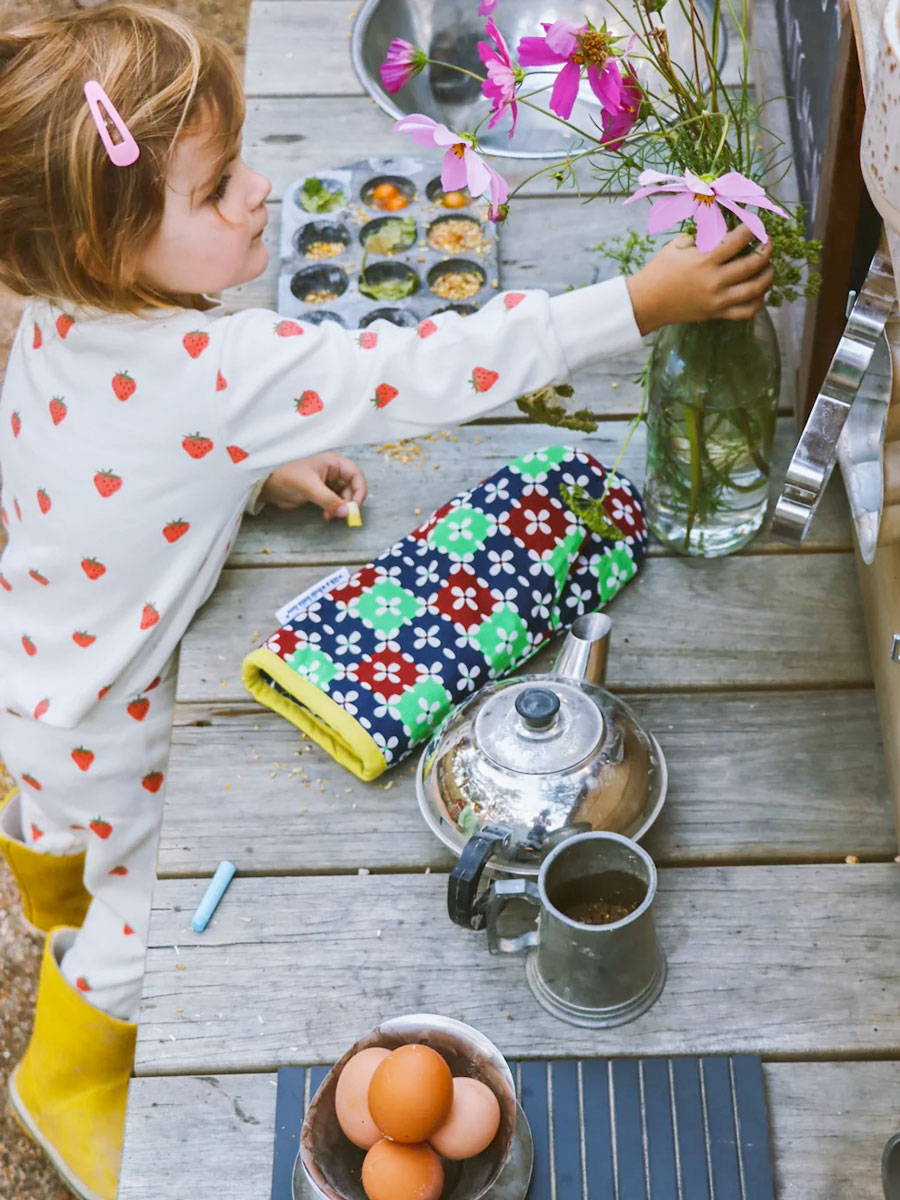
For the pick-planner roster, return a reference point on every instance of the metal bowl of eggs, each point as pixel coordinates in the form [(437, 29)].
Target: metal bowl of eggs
[(422, 1105)]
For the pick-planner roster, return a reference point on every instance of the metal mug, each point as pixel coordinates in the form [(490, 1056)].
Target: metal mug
[(595, 976)]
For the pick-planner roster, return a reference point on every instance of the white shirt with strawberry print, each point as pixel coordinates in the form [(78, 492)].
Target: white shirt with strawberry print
[(129, 446)]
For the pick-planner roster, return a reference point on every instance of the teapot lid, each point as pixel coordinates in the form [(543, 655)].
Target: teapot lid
[(538, 728)]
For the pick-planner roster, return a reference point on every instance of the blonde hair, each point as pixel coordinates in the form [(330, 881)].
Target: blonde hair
[(71, 224)]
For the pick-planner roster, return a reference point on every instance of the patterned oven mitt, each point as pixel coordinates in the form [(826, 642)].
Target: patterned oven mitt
[(372, 668)]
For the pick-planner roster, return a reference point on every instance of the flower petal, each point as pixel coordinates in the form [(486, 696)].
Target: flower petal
[(534, 52), (565, 90), (711, 227), (607, 85), (750, 219), (477, 172), (669, 210), (454, 176), (651, 176), (425, 131), (487, 7), (697, 185), (561, 36), (653, 190)]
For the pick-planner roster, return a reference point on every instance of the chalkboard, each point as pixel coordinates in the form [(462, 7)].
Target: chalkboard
[(809, 31)]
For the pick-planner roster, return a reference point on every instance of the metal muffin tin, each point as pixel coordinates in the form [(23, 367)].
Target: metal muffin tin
[(301, 273)]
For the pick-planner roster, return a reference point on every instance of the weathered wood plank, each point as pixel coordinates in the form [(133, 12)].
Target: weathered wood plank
[(301, 48), (829, 1121), (403, 491), (794, 961), (753, 777), (779, 621)]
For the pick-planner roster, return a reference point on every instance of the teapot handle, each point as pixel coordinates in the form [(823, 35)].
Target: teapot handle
[(463, 904)]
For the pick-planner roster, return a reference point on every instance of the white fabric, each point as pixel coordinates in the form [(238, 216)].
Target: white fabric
[(103, 573)]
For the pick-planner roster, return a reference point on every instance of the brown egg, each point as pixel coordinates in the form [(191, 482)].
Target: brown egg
[(472, 1123), (411, 1093), (350, 1104), (392, 1171)]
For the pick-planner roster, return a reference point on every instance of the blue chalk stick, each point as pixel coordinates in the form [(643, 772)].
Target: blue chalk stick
[(213, 894)]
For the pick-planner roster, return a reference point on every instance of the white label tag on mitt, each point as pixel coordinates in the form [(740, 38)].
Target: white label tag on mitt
[(294, 607)]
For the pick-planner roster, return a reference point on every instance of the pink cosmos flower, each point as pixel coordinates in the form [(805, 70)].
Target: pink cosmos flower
[(617, 126), (576, 46), (703, 200), (500, 85), (487, 8), (402, 62), (462, 166)]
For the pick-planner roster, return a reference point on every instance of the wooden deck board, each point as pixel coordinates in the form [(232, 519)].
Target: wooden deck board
[(754, 777), (829, 1121), (405, 491), (783, 961), (790, 621)]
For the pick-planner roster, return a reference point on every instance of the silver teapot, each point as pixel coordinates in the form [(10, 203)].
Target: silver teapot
[(530, 761)]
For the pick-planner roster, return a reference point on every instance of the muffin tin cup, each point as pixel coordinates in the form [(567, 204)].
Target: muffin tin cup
[(340, 273)]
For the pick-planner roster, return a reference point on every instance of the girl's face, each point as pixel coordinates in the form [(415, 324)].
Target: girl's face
[(210, 236)]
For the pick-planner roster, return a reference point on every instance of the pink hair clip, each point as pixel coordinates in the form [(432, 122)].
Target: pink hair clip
[(124, 152)]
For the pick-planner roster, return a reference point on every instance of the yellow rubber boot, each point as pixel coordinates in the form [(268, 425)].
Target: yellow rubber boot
[(51, 884), (70, 1089)]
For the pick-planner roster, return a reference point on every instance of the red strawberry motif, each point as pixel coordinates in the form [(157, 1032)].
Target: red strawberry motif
[(196, 445), (4, 517), (5, 584), (63, 324), (426, 329), (18, 508), (511, 299), (119, 870), (77, 827), (149, 616), (44, 501), (126, 929), (152, 781), (82, 984), (175, 529), (309, 404), (138, 708), (103, 691), (36, 832), (58, 409), (93, 568), (123, 385), (368, 340), (80, 638), (28, 644), (37, 340), (221, 382), (483, 379), (151, 686), (288, 329), (82, 758), (195, 342), (16, 421), (384, 394), (39, 578), (102, 828), (107, 483), (40, 708), (31, 781), (236, 454)]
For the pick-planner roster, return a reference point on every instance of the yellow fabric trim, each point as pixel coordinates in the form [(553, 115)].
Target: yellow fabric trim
[(314, 713)]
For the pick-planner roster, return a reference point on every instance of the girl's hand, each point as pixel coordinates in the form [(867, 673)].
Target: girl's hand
[(681, 284), (327, 480)]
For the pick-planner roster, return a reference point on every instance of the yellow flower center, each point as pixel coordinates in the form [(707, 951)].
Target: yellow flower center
[(594, 48), (459, 149), (704, 199)]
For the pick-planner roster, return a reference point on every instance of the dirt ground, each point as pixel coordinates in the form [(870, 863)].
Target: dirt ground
[(24, 1172)]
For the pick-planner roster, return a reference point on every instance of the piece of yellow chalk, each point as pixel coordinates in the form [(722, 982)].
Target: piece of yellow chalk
[(354, 520)]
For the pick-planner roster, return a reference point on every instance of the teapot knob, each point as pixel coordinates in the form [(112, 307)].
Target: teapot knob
[(537, 707)]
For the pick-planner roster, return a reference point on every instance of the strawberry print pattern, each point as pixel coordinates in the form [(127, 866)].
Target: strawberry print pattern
[(479, 586)]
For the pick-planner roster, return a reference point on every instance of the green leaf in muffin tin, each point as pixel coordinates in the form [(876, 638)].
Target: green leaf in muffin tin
[(397, 233), (317, 197), (389, 289)]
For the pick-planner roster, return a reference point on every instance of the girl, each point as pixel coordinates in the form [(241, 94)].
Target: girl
[(136, 421)]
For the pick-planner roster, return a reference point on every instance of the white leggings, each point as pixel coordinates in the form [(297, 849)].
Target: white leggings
[(99, 788)]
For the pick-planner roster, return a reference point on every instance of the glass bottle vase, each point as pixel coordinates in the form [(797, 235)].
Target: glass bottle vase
[(712, 398)]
